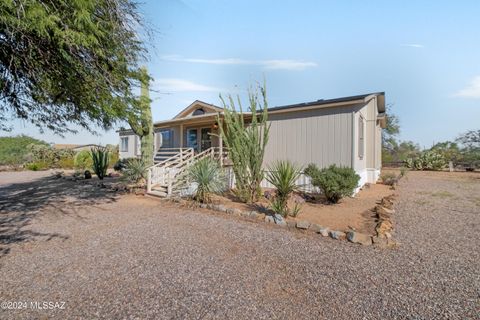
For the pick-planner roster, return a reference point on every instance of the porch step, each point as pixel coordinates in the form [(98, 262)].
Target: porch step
[(156, 193), (164, 154)]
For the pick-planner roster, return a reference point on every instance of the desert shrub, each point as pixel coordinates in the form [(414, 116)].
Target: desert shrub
[(121, 164), (66, 163), (36, 166), (83, 160), (208, 176), (283, 176), (100, 159), (428, 160), (389, 178), (335, 182), (135, 170), (14, 150)]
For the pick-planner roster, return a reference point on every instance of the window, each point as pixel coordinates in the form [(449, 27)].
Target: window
[(167, 138), (124, 144), (198, 112), (361, 137)]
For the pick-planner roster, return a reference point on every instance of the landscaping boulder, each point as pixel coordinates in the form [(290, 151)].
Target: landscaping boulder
[(303, 224), (315, 227), (298, 199), (229, 210), (361, 238), (384, 212), (253, 214), (383, 226), (203, 205), (219, 207), (237, 212), (291, 223), (338, 235), (269, 219), (279, 220), (325, 232)]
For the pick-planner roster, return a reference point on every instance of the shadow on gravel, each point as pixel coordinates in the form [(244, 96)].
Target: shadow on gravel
[(20, 203)]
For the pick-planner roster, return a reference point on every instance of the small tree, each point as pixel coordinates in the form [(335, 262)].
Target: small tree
[(246, 142), (141, 122)]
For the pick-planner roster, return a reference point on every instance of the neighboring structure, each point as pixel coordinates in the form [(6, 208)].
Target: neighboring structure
[(344, 131), (74, 147)]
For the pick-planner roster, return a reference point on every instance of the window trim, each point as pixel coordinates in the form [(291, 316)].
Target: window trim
[(361, 137)]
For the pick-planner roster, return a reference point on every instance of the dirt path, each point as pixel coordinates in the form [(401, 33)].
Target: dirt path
[(108, 256)]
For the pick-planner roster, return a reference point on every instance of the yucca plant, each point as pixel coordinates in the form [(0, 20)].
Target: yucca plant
[(283, 175), (100, 159), (208, 176), (135, 170)]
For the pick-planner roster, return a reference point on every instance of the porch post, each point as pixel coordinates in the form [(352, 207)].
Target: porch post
[(220, 148), (181, 135)]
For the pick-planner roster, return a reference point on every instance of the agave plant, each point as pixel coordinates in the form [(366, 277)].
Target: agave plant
[(283, 175), (134, 170), (208, 176), (100, 159)]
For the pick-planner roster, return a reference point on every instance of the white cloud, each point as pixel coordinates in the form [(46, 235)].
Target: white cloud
[(472, 90), (413, 45), (280, 64), (181, 85)]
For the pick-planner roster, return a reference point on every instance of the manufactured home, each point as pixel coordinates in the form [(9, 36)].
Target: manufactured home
[(344, 131)]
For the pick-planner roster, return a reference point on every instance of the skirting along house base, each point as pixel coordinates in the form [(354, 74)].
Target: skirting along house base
[(345, 131)]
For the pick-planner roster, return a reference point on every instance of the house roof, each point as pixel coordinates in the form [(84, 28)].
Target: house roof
[(332, 102), (183, 115), (195, 105)]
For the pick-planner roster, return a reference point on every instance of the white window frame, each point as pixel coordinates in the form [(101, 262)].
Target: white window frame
[(123, 148)]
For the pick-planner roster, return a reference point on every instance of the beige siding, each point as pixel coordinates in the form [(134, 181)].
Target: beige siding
[(132, 150), (321, 136)]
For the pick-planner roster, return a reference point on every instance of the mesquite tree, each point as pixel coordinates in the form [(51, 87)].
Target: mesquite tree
[(68, 64), (141, 122), (246, 142)]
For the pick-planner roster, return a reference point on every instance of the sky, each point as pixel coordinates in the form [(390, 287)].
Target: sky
[(425, 56)]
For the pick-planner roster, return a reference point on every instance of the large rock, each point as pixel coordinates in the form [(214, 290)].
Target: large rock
[(384, 212), (337, 235), (253, 214), (279, 220), (325, 232), (383, 226), (361, 238), (269, 219), (315, 227), (219, 207), (298, 199), (303, 224), (237, 212)]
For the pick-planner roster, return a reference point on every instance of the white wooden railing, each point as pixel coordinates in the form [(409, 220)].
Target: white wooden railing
[(166, 173)]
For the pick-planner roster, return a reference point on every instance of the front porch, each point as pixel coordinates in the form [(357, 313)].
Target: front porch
[(197, 134)]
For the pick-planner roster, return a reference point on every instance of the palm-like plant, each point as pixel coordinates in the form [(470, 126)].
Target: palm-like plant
[(208, 176), (135, 170), (283, 175), (100, 159)]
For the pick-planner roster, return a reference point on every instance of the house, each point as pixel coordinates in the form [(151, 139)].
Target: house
[(74, 147), (344, 131)]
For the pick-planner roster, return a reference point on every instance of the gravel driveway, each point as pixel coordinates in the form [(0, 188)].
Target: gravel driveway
[(110, 256)]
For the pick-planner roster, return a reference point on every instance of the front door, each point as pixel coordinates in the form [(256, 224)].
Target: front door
[(205, 138), (192, 139)]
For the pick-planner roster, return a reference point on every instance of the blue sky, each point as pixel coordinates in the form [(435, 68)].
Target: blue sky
[(424, 54)]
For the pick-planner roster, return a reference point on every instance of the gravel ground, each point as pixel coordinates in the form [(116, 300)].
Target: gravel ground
[(131, 257)]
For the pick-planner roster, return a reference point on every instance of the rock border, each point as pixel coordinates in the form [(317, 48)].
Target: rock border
[(383, 212)]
